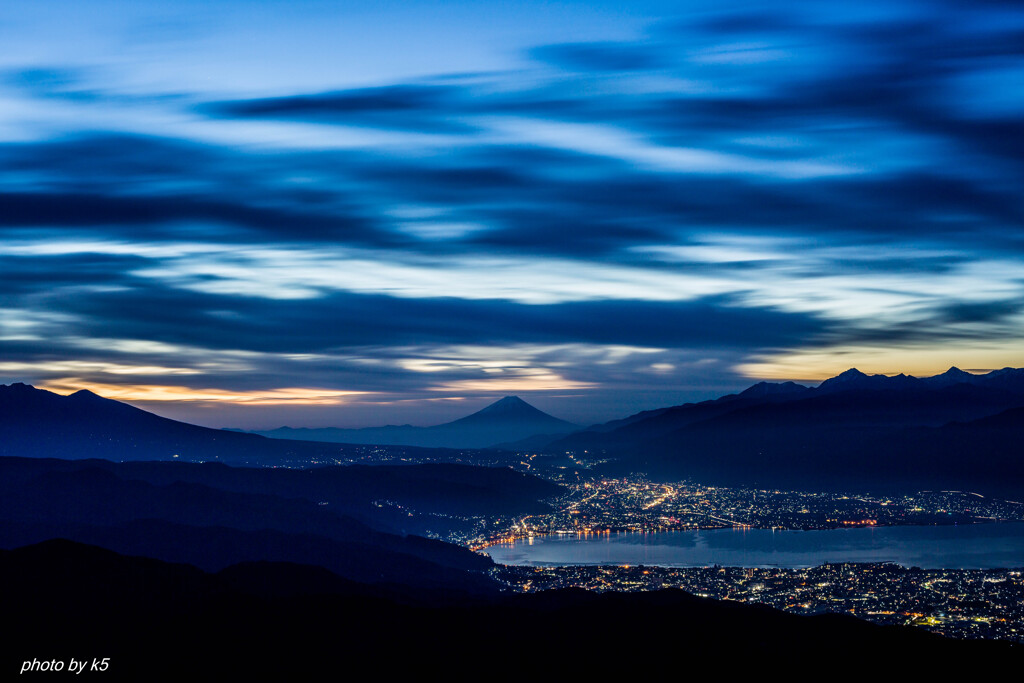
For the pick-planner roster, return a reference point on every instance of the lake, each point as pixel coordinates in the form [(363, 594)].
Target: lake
[(970, 546)]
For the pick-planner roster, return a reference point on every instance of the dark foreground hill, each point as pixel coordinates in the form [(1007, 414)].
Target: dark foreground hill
[(507, 420), (261, 620), (440, 488), (212, 516)]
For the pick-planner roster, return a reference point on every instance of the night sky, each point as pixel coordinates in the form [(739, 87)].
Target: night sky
[(347, 214)]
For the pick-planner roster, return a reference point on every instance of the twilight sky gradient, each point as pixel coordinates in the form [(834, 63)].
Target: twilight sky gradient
[(324, 213)]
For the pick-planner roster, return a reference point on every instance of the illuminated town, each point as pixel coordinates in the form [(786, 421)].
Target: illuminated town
[(954, 603), (957, 603), (636, 504)]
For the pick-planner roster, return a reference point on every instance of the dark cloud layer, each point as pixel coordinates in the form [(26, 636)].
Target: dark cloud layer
[(734, 184), (599, 56), (402, 107)]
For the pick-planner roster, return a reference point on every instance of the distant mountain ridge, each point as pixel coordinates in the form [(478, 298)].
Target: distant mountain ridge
[(852, 431), (506, 420), (39, 423), (1010, 379)]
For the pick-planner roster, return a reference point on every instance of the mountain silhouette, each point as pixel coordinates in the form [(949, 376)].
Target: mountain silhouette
[(853, 431), (212, 516), (507, 420), (39, 423)]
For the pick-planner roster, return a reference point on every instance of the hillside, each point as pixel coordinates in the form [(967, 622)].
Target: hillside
[(854, 431)]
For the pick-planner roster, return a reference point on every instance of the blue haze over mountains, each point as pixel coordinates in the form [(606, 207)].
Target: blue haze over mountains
[(224, 554)]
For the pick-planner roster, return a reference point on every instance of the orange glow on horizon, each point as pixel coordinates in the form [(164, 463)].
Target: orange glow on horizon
[(816, 365), (155, 392)]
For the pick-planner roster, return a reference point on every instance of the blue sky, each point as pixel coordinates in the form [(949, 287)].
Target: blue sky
[(318, 213)]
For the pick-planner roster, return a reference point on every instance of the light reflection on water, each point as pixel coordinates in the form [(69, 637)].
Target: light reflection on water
[(974, 546)]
